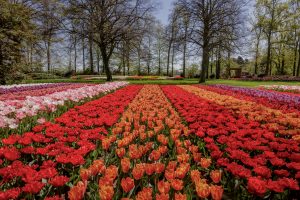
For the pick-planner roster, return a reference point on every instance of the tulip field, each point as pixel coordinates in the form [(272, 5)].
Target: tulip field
[(144, 142)]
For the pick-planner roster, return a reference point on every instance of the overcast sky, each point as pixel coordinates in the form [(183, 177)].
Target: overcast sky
[(164, 10)]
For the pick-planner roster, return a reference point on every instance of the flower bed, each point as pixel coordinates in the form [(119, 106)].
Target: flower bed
[(150, 155), (283, 88), (260, 160), (283, 102), (13, 111), (152, 142), (6, 89), (40, 92), (41, 162)]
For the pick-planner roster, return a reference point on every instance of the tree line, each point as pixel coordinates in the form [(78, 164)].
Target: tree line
[(123, 37)]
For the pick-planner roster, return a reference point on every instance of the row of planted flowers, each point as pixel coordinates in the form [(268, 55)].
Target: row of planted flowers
[(285, 123), (41, 162), (261, 160), (12, 112), (283, 88), (150, 155), (285, 102), (6, 89), (22, 95)]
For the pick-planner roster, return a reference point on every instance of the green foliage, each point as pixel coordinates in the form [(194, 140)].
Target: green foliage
[(15, 29)]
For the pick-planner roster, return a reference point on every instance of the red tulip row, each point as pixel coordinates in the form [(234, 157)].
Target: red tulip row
[(263, 160), (42, 161)]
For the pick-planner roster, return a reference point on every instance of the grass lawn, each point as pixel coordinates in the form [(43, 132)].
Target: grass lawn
[(172, 82)]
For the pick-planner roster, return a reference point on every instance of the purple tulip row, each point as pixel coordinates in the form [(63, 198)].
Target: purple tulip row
[(25, 87), (271, 96)]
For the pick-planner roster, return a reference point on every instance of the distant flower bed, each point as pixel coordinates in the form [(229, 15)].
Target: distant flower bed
[(270, 78), (283, 88), (144, 78), (175, 78)]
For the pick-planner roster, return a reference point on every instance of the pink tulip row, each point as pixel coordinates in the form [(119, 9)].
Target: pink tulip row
[(13, 111), (22, 95)]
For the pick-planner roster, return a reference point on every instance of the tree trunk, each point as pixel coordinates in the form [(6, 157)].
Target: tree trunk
[(2, 71), (128, 58), (98, 60), (205, 63), (184, 56), (159, 62), (298, 68), (49, 55), (168, 59), (107, 70), (282, 64), (139, 62), (268, 54), (124, 64), (128, 64), (83, 54), (256, 58), (295, 59), (211, 65), (173, 56), (218, 65), (91, 54), (75, 54)]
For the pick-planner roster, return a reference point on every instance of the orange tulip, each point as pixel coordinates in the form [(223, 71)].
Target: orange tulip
[(159, 168), (216, 192), (85, 174), (163, 187), (145, 194), (162, 196), (177, 184), (216, 176), (172, 165), (111, 173), (202, 189), (138, 171), (170, 174), (197, 157), (125, 165), (149, 169), (155, 155), (195, 176), (77, 192), (106, 192), (97, 167), (163, 149), (127, 184), (179, 196), (120, 152), (205, 162)]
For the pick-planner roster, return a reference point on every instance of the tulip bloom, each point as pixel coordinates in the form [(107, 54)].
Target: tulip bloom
[(216, 176), (125, 164), (127, 184), (216, 192)]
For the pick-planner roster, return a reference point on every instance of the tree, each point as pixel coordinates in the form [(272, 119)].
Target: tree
[(171, 35), (209, 19), (48, 22), (15, 29), (108, 21), (271, 14)]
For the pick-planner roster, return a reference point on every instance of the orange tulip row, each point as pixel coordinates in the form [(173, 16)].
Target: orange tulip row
[(156, 157)]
